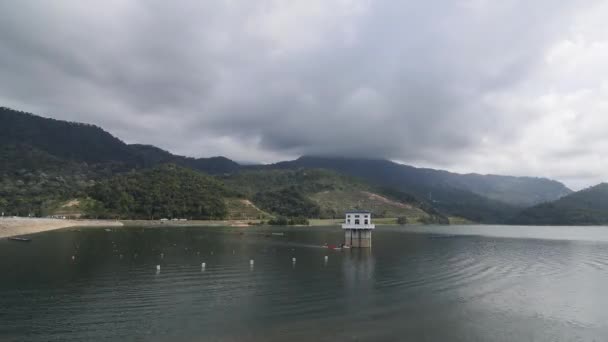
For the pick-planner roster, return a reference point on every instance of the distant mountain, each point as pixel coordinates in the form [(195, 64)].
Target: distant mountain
[(517, 191), (62, 139), (481, 198), (46, 161), (325, 194), (78, 142), (585, 207), (152, 155)]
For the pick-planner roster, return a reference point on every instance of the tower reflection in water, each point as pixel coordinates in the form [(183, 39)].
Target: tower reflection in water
[(358, 268)]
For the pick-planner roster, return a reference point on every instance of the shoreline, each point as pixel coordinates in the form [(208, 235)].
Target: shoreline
[(15, 226)]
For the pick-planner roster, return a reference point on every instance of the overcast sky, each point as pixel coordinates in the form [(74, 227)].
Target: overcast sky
[(508, 87)]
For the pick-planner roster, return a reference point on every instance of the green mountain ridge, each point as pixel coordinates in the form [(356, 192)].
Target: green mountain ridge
[(167, 191), (516, 191), (585, 207), (325, 194), (470, 196), (45, 161)]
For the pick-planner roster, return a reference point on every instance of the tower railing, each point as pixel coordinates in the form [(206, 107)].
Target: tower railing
[(358, 226)]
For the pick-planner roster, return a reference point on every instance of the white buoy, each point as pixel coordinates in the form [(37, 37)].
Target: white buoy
[(158, 267), (293, 260), (326, 259), (162, 255), (203, 265), (251, 262), (211, 252), (73, 257)]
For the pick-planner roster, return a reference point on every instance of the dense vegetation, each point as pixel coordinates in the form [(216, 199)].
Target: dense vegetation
[(586, 207), (323, 193), (62, 139), (151, 156), (516, 191), (168, 191), (32, 182), (465, 196), (285, 221), (287, 202), (71, 141), (46, 162), (304, 181)]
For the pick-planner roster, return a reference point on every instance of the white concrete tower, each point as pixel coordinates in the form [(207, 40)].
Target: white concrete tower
[(358, 229)]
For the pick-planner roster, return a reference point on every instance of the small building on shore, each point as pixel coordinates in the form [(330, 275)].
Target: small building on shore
[(358, 228)]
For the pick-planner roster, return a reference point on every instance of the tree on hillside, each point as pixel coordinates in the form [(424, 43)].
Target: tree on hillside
[(287, 202), (167, 191)]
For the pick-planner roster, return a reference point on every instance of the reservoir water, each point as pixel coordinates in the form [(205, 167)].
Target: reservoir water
[(456, 283)]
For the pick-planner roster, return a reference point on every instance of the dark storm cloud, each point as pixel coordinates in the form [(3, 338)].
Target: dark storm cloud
[(441, 83)]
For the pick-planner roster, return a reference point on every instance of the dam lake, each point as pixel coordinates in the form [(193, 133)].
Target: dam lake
[(428, 283)]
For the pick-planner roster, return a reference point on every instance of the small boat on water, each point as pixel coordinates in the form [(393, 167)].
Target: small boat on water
[(335, 247), (21, 239)]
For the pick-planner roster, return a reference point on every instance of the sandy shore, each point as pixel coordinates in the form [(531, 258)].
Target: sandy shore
[(23, 226), (192, 223)]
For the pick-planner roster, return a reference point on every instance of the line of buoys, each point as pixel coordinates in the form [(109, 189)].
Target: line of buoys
[(204, 264)]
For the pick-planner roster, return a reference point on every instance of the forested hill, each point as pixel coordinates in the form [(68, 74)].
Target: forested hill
[(45, 161), (153, 155), (78, 142), (586, 207), (516, 191), (62, 139), (167, 191), (488, 199), (325, 194)]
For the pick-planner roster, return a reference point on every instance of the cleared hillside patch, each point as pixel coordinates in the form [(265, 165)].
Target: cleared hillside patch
[(335, 203), (243, 209)]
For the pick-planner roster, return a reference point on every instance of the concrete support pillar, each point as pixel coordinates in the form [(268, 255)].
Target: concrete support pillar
[(358, 238)]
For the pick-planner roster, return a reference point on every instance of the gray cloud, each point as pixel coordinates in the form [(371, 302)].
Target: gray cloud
[(466, 85)]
